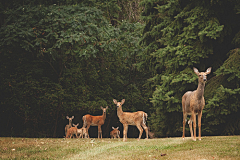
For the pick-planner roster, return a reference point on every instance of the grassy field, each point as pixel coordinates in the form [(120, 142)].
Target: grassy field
[(218, 147)]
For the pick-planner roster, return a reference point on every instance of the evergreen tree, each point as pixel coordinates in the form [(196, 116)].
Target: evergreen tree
[(64, 60), (179, 35)]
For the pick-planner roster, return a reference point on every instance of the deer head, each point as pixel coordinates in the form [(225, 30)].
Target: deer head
[(119, 104), (70, 119), (104, 109), (202, 76), (115, 128)]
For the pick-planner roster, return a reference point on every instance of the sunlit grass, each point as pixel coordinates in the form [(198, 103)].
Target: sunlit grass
[(219, 147)]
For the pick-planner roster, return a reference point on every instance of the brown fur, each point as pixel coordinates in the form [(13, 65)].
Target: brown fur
[(90, 120), (82, 133), (137, 119), (193, 103), (72, 131), (115, 133), (68, 125)]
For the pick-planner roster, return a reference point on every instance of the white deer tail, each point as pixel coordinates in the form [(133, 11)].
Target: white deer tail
[(84, 121), (189, 121), (144, 118)]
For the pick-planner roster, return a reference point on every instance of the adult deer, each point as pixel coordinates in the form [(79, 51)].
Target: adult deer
[(68, 125), (137, 119), (115, 133), (193, 103), (89, 120)]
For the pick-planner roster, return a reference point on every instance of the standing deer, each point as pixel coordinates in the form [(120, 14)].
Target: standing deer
[(72, 131), (68, 125), (193, 103), (137, 119), (89, 120), (115, 133)]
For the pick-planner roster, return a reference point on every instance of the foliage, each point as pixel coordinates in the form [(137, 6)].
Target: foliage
[(113, 10), (65, 60), (223, 105), (180, 35), (69, 57)]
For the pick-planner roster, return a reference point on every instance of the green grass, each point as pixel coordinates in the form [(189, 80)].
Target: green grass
[(217, 147)]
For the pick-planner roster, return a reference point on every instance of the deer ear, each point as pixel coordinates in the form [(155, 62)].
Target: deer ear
[(114, 101), (101, 107), (107, 107), (117, 127), (122, 102), (195, 70), (72, 117), (112, 127), (208, 71), (67, 117)]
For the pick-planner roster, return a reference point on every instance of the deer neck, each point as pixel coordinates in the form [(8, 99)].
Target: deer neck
[(104, 116), (200, 90), (119, 111), (70, 123)]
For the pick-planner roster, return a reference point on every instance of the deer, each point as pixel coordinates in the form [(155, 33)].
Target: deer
[(137, 119), (89, 120), (115, 133), (68, 125), (82, 133), (72, 131), (193, 103)]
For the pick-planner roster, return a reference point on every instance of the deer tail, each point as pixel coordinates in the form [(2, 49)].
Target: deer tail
[(84, 121), (144, 118), (189, 121)]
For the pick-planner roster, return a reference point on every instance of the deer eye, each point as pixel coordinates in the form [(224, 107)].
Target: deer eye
[(200, 75)]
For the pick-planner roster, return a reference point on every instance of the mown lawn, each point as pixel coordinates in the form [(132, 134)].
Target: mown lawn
[(217, 147)]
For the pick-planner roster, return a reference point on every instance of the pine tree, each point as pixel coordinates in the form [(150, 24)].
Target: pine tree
[(179, 35)]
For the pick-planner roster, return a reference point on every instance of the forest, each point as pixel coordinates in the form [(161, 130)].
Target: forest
[(63, 58)]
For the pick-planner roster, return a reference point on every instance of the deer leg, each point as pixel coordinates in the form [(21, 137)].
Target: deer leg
[(125, 132), (194, 125), (184, 123), (99, 132), (88, 126), (146, 129), (199, 125), (190, 126), (140, 131)]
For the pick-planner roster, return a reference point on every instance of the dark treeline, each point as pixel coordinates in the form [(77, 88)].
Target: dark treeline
[(63, 58)]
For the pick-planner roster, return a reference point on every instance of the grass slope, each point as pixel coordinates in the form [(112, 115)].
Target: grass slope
[(218, 147)]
